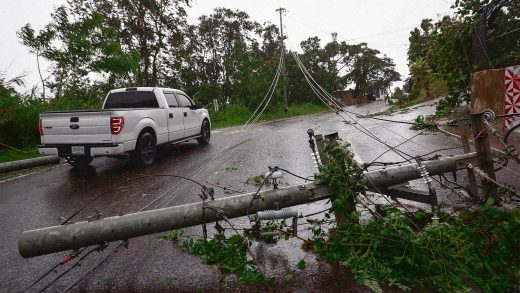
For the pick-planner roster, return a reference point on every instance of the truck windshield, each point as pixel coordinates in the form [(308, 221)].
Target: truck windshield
[(131, 99)]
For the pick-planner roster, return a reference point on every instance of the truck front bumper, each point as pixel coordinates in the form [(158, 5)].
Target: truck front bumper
[(92, 150)]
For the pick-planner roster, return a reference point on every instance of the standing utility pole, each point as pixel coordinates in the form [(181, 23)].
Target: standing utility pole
[(284, 75)]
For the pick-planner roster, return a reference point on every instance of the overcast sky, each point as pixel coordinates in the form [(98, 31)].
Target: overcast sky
[(384, 25)]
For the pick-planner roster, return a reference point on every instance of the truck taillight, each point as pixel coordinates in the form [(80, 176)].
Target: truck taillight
[(116, 124), (40, 128)]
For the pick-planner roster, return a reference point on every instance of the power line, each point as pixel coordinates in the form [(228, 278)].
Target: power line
[(402, 143), (255, 116), (78, 262), (306, 23), (505, 34), (252, 119), (94, 267), (53, 268), (331, 100)]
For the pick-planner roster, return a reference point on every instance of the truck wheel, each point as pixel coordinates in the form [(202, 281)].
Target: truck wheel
[(79, 162), (205, 133), (145, 149)]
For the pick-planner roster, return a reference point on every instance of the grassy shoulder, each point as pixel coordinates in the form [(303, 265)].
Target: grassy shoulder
[(230, 116), (237, 115), (8, 155)]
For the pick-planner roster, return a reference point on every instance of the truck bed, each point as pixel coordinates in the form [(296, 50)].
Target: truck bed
[(91, 110), (82, 126)]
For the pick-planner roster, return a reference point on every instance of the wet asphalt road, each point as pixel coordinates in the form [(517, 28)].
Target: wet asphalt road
[(148, 264)]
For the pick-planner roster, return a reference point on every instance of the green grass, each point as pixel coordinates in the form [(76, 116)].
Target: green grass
[(230, 116), (238, 115), (7, 155)]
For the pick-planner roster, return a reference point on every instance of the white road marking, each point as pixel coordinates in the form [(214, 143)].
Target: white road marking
[(31, 173), (232, 132)]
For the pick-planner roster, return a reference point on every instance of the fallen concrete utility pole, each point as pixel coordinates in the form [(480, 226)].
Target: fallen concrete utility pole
[(28, 163), (81, 234), (394, 175), (73, 236)]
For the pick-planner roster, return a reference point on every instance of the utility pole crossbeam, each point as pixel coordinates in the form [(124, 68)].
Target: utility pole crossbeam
[(350, 203), (403, 192), (282, 45), (320, 144)]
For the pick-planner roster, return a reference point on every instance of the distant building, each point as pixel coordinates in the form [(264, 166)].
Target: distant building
[(380, 93), (348, 97)]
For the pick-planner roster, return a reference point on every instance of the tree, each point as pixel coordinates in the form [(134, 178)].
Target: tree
[(370, 72), (77, 48), (214, 43), (444, 48), (422, 77), (419, 41), (153, 29), (338, 64), (18, 114)]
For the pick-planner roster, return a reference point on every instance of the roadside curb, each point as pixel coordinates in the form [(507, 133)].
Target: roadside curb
[(28, 163)]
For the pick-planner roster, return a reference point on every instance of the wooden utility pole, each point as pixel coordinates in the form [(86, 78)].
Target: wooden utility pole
[(480, 60), (282, 45), (464, 139), (484, 155)]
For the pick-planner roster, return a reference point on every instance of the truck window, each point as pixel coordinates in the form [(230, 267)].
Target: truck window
[(170, 98), (131, 99), (183, 100)]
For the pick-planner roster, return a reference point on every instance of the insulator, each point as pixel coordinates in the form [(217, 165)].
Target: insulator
[(425, 174), (277, 174), (489, 115), (276, 215)]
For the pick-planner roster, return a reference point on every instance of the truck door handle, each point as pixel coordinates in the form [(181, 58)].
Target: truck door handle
[(185, 114), (171, 115)]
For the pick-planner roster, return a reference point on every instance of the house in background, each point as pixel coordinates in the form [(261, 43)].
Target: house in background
[(348, 97), (380, 94)]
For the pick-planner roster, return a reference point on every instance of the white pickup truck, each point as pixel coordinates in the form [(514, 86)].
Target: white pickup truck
[(132, 120)]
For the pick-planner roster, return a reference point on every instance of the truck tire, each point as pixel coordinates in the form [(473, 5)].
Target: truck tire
[(145, 149), (205, 132), (79, 162)]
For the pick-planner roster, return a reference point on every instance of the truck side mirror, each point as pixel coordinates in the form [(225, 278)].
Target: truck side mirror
[(195, 107)]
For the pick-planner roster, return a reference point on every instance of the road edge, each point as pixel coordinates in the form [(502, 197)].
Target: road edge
[(28, 163)]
